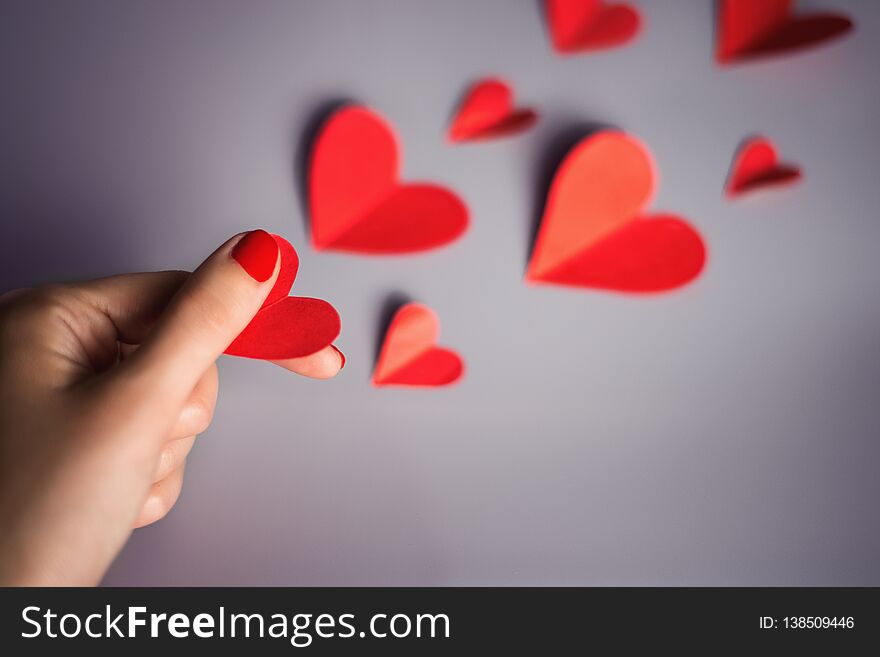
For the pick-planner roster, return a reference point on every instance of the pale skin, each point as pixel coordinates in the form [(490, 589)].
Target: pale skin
[(104, 386)]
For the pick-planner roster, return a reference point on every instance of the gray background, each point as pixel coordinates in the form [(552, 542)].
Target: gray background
[(723, 434)]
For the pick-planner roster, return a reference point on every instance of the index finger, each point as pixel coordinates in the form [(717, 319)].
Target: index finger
[(324, 364)]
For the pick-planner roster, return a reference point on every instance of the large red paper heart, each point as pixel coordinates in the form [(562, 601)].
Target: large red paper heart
[(581, 25), (594, 233), (287, 327), (755, 165), (357, 202), (487, 112), (409, 355), (752, 28)]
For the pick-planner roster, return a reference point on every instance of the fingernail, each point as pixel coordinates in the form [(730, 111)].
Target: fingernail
[(341, 356), (257, 253)]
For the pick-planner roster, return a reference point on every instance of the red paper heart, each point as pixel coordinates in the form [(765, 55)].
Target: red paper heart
[(409, 355), (593, 233), (580, 25), (286, 272), (755, 165), (287, 327), (487, 111), (752, 28), (357, 202)]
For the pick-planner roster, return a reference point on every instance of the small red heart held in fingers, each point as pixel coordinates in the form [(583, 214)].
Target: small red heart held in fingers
[(287, 327), (594, 234), (756, 165), (582, 25), (752, 28), (409, 355), (487, 112), (357, 201)]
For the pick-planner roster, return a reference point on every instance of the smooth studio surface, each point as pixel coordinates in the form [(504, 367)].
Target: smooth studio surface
[(725, 433)]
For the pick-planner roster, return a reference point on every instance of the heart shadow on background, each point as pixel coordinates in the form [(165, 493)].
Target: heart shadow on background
[(553, 153), (392, 303), (307, 134)]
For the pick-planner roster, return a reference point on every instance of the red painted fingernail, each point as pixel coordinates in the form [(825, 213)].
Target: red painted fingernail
[(257, 253), (341, 356)]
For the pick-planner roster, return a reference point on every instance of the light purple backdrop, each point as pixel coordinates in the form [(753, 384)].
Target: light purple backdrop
[(728, 433)]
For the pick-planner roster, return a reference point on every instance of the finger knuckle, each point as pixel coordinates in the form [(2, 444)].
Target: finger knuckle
[(25, 310), (162, 504), (209, 309), (167, 459), (163, 508), (202, 413)]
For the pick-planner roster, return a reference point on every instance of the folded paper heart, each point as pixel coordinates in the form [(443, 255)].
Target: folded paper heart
[(582, 25), (487, 112), (594, 232), (287, 327), (753, 28), (756, 165), (409, 355), (357, 202)]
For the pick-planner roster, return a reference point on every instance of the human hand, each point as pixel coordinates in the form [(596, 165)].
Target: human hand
[(103, 388)]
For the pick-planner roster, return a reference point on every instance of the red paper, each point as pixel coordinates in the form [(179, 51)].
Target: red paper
[(487, 112), (358, 203), (409, 354), (594, 232), (752, 28), (755, 165), (287, 327), (286, 272), (582, 25)]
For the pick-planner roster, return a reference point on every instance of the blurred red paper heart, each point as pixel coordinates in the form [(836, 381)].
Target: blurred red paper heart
[(487, 112), (409, 354), (356, 200), (594, 233), (752, 28), (755, 165), (287, 327), (581, 25)]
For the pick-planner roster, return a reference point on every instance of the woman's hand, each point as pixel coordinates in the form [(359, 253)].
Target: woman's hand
[(103, 388)]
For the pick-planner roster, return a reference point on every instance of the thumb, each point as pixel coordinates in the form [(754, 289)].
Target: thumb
[(214, 305)]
